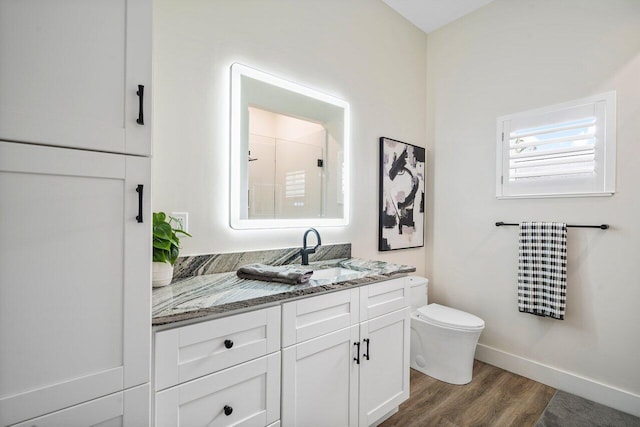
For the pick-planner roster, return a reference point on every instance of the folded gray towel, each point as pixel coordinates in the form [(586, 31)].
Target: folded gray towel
[(269, 273)]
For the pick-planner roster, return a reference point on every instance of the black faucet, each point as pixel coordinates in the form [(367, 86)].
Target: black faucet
[(306, 251)]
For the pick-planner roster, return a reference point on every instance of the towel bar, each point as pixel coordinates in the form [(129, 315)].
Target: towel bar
[(601, 226)]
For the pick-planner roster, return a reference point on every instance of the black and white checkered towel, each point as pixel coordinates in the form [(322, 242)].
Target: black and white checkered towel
[(542, 268)]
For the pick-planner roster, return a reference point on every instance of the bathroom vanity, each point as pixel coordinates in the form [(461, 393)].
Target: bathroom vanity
[(331, 352)]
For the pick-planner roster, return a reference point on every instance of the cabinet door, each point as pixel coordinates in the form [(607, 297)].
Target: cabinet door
[(384, 371), (320, 381), (70, 71), (129, 408), (74, 277), (246, 394)]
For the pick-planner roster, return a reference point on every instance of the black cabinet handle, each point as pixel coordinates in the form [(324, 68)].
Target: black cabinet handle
[(140, 93), (228, 343), (357, 358), (367, 353), (139, 191), (228, 410)]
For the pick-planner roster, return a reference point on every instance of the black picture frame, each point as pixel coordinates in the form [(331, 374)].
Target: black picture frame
[(402, 195)]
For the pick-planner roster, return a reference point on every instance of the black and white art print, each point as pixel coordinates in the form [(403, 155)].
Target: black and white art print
[(402, 174)]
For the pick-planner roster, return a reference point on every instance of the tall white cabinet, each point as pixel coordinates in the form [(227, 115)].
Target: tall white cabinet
[(75, 215), (70, 72)]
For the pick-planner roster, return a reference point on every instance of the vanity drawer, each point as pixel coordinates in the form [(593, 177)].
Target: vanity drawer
[(247, 394), (384, 297), (312, 317), (128, 408), (189, 352)]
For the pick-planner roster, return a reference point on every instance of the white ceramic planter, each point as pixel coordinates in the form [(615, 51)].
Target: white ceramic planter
[(161, 274)]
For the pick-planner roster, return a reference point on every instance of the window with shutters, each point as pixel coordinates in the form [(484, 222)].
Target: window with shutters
[(562, 150), (294, 184)]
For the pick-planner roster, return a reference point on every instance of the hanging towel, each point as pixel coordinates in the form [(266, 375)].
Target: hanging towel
[(542, 268), (269, 273)]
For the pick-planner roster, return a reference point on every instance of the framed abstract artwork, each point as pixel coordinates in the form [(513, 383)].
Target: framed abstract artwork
[(402, 176)]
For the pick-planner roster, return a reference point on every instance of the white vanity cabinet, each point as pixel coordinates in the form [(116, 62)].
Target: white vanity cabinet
[(344, 362), (220, 372), (71, 72), (346, 376), (74, 281)]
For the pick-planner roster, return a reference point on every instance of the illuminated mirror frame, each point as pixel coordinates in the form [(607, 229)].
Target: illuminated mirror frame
[(238, 209)]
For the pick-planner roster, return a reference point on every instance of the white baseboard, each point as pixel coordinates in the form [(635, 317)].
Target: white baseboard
[(570, 382)]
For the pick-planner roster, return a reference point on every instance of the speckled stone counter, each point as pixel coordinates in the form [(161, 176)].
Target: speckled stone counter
[(215, 295)]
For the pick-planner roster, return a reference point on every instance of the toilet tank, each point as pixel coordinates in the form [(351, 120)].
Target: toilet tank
[(417, 291)]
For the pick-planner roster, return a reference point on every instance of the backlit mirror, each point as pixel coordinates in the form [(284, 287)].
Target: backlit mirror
[(289, 153)]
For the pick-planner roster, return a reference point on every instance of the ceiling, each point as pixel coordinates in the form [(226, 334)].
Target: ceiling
[(429, 15)]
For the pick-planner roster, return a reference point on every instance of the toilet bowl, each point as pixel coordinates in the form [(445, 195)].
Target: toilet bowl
[(443, 339)]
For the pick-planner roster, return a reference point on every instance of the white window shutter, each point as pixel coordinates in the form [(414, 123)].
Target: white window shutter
[(562, 150)]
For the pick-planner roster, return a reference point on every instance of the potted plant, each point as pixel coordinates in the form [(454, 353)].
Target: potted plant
[(166, 247)]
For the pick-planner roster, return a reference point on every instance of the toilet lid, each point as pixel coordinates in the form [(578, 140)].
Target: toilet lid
[(450, 317)]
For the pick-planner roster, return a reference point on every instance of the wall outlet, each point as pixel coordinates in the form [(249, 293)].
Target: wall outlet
[(181, 220)]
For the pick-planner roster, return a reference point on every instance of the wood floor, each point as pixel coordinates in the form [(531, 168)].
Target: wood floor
[(494, 398)]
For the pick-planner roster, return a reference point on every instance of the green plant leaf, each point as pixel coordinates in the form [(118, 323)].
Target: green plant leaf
[(159, 217), (159, 256), (162, 230), (183, 232), (161, 244), (173, 254)]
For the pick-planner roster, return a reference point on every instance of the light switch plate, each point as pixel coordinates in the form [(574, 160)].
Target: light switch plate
[(182, 220)]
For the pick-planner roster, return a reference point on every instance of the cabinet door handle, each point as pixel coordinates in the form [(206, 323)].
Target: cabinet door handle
[(367, 353), (139, 191), (140, 93), (357, 358), (228, 343), (227, 410)]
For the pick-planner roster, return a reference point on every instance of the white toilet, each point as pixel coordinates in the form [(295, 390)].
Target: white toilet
[(443, 339)]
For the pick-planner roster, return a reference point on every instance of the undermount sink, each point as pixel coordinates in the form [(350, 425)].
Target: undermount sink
[(334, 274)]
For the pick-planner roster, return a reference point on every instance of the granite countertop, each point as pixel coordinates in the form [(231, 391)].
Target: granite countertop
[(215, 295)]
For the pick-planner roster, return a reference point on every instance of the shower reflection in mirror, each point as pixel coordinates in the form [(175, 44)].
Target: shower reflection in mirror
[(288, 158)]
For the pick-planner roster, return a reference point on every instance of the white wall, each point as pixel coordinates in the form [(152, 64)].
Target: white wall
[(358, 50), (514, 55)]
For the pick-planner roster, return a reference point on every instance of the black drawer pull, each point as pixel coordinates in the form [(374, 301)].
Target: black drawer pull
[(140, 93), (357, 358), (139, 191), (228, 410), (367, 353), (228, 343)]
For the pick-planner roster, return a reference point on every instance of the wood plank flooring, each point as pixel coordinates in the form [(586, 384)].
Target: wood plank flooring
[(494, 398)]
